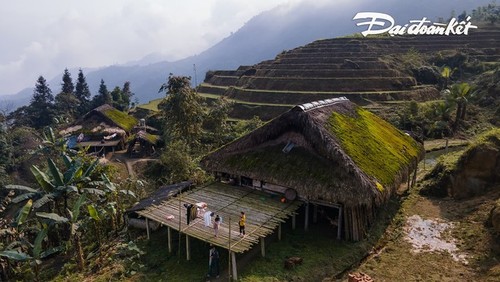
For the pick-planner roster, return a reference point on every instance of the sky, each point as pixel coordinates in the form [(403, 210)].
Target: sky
[(45, 37)]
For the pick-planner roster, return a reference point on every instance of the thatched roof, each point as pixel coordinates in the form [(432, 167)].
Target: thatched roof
[(116, 117), (161, 194), (341, 153), (143, 135), (103, 120)]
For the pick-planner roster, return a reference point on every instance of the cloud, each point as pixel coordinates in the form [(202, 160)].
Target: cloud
[(43, 38)]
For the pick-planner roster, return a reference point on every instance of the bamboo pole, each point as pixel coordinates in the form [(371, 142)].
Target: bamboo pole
[(315, 213), (339, 224), (235, 271), (262, 247), (279, 232), (147, 227), (169, 238), (229, 249), (306, 219), (180, 219), (188, 249)]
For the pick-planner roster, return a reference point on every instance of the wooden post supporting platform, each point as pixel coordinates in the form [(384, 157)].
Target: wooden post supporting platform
[(409, 177), (306, 219), (262, 247), (315, 214), (279, 232), (147, 227), (235, 271), (188, 253), (169, 238), (415, 173), (339, 224), (293, 222)]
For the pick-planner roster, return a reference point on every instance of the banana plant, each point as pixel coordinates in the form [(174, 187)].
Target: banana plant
[(55, 185), (37, 252), (74, 223)]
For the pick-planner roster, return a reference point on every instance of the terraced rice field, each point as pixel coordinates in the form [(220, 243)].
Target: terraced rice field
[(356, 68)]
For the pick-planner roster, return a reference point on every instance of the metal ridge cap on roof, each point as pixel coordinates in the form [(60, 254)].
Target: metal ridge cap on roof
[(321, 103)]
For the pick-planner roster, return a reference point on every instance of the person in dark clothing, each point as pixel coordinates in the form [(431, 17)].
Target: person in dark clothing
[(188, 212), (213, 262)]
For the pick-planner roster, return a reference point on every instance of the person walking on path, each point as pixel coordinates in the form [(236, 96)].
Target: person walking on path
[(242, 223), (216, 225)]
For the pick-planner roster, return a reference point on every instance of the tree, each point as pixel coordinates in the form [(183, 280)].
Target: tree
[(446, 73), (216, 121), (41, 109), (181, 110), (116, 95), (66, 103), (67, 84), (460, 94), (5, 154), (126, 94), (82, 93), (103, 96)]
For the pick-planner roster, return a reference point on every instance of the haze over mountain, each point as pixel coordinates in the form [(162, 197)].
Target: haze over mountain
[(263, 37)]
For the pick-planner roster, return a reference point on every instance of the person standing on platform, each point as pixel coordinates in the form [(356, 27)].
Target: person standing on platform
[(242, 223), (207, 217), (217, 222), (188, 212)]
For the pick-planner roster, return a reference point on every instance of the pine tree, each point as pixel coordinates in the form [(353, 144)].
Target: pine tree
[(41, 108), (126, 94), (82, 93), (66, 103), (67, 85), (103, 96)]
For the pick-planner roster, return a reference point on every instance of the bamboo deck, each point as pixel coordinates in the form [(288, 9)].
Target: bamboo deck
[(263, 211)]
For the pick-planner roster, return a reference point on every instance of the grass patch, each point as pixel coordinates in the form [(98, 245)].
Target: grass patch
[(152, 105)]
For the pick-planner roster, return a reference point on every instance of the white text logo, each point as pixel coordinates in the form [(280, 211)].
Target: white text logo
[(379, 23)]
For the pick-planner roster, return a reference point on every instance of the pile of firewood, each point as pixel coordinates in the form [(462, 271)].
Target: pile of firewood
[(359, 277)]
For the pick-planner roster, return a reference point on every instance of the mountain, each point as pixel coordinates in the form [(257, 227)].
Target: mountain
[(262, 38)]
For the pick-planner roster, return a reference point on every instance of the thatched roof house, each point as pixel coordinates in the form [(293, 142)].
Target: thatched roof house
[(103, 127), (330, 151)]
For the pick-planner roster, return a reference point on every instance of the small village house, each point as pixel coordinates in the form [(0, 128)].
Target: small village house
[(329, 153), (102, 130)]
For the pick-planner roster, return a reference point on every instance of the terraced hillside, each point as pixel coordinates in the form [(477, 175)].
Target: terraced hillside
[(368, 71)]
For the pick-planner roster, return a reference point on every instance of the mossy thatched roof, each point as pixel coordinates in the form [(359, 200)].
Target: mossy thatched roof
[(117, 117), (342, 153), (103, 120)]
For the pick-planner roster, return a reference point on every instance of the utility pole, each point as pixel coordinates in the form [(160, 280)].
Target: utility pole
[(195, 78)]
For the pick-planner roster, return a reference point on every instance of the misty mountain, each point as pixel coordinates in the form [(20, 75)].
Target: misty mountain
[(261, 38)]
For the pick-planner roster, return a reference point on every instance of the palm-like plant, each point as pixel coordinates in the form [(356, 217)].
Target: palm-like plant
[(460, 94), (446, 73), (55, 185), (15, 251)]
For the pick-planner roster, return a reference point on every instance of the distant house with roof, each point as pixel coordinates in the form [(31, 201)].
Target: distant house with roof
[(143, 141), (329, 153), (102, 129)]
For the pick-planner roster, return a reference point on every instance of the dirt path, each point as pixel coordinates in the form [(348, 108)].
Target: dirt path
[(122, 157)]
